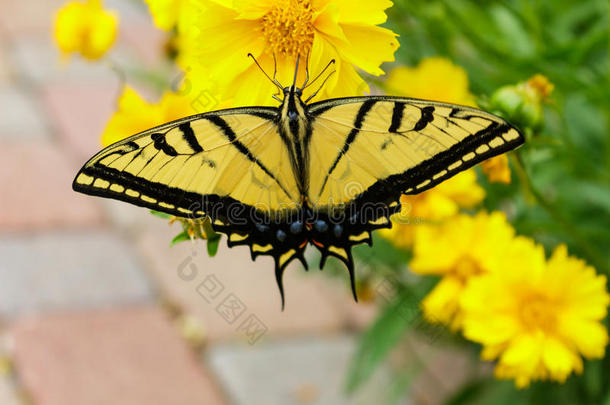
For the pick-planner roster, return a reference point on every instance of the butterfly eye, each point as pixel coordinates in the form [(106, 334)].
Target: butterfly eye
[(286, 90)]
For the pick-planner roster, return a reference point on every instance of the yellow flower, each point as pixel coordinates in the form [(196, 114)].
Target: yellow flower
[(433, 79), (221, 33), (165, 13), (537, 318), (541, 85), (497, 169), (135, 115), (85, 28), (459, 249), (433, 206)]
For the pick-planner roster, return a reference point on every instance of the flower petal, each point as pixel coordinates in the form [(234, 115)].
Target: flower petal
[(253, 10), (441, 304), (590, 337), (368, 46), (558, 359), (164, 12), (326, 22), (359, 12), (227, 54)]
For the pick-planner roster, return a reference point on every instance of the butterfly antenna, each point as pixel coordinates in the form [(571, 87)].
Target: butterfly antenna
[(321, 86), (274, 81), (320, 74), (306, 71), (275, 72)]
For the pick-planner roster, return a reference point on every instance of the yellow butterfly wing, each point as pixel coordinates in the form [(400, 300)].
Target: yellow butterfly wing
[(372, 149), (223, 164)]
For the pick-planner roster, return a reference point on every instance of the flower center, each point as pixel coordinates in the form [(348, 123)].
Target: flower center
[(467, 267), (537, 312), (288, 28)]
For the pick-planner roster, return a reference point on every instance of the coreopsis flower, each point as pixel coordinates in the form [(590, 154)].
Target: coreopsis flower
[(458, 250), (433, 78), (537, 318), (165, 13), (221, 34), (85, 28), (541, 85), (497, 169), (433, 206), (135, 114)]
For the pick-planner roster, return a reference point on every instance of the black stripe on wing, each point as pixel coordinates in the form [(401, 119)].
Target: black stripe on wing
[(159, 196), (423, 175), (243, 149), (351, 137), (189, 136)]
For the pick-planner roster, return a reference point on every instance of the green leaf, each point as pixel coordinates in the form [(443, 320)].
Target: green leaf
[(512, 31), (213, 245), (590, 193), (593, 379), (160, 214), (181, 237), (399, 384), (375, 344)]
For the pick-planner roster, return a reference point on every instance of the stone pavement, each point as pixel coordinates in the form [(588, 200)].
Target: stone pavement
[(95, 307)]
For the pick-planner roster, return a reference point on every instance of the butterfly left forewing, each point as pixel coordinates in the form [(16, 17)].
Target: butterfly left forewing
[(380, 147)]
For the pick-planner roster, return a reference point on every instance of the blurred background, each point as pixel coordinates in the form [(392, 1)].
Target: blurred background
[(97, 308)]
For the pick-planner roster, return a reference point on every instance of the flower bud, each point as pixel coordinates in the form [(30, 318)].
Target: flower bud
[(522, 103)]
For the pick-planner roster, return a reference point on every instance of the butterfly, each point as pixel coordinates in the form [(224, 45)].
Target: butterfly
[(277, 179)]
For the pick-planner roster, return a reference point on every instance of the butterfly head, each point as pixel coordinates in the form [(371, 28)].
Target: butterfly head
[(294, 90), (288, 91)]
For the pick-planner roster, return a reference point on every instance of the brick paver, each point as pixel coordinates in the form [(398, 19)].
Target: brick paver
[(67, 271), (39, 62), (6, 64), (125, 357), (357, 315), (20, 17), (443, 369), (8, 393), (24, 122), (35, 183), (81, 111), (201, 289), (300, 371)]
